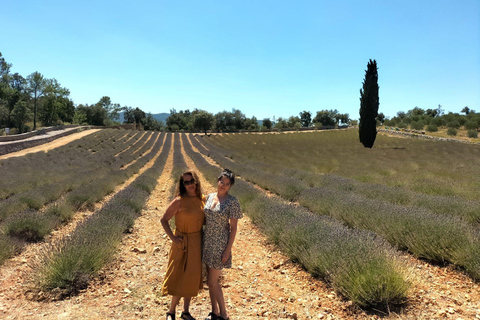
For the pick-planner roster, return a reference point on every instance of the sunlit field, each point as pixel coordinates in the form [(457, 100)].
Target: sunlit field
[(430, 167)]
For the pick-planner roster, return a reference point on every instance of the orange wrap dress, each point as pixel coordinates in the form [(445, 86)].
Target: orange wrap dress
[(184, 272)]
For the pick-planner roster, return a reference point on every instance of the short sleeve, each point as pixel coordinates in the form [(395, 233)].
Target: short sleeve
[(235, 212)]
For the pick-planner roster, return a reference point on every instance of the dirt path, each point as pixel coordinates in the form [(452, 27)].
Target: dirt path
[(50, 145)]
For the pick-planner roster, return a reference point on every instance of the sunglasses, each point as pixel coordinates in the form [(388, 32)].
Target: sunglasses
[(188, 182)]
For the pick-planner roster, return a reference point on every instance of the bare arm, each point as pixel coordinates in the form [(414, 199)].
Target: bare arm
[(169, 214), (231, 239)]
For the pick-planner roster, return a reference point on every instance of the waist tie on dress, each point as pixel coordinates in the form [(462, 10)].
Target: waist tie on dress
[(185, 237)]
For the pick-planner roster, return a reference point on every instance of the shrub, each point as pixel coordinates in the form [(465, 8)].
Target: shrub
[(417, 125), (402, 125), (452, 131), (33, 200), (7, 248), (454, 124), (432, 128), (471, 125), (472, 134), (30, 226), (63, 211)]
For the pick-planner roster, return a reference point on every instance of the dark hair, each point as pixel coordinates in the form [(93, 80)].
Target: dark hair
[(229, 174), (181, 190)]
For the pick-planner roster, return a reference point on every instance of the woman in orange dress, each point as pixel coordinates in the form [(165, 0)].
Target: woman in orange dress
[(184, 272)]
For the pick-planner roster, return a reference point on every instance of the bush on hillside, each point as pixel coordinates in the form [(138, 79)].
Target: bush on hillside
[(471, 125), (454, 124), (452, 131), (472, 134), (402, 125), (417, 125)]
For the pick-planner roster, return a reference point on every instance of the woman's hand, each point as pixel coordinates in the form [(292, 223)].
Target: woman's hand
[(225, 256), (177, 240)]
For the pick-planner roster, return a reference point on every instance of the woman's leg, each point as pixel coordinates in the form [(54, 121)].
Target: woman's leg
[(173, 305), (213, 300), (216, 293), (186, 303)]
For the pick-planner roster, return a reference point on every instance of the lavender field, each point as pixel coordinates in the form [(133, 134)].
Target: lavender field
[(343, 212)]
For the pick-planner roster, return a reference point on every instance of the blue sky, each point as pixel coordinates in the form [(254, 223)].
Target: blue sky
[(266, 58)]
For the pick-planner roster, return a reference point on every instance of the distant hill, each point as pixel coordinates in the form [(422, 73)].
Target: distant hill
[(158, 116)]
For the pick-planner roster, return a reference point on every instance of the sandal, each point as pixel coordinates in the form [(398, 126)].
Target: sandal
[(171, 315), (211, 316), (186, 316)]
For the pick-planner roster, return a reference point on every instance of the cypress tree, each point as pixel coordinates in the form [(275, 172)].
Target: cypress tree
[(369, 106)]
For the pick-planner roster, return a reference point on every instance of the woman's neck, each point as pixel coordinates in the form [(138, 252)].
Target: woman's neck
[(222, 195)]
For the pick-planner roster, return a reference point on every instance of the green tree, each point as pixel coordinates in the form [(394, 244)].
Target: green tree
[(251, 124), (37, 85), (466, 110), (152, 124), (21, 114), (281, 123), (344, 118), (178, 120), (56, 105), (267, 123), (325, 118), (113, 109), (306, 118), (80, 116), (381, 118), (431, 113), (230, 121), (369, 102), (294, 122), (203, 121), (96, 115)]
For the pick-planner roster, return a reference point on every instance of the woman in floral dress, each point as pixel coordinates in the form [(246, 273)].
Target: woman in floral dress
[(222, 212)]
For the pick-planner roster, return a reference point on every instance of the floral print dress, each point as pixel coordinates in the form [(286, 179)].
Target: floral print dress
[(217, 230)]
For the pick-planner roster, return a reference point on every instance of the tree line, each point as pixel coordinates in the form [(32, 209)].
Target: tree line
[(225, 121), (432, 119), (27, 102)]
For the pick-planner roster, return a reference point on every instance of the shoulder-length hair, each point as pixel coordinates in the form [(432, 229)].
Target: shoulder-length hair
[(181, 190)]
